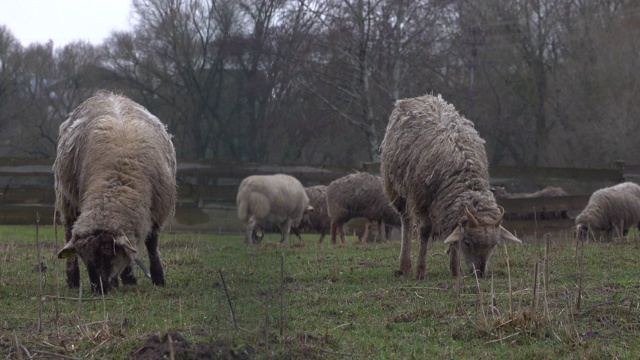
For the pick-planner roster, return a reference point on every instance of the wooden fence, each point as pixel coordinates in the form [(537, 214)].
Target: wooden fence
[(207, 189)]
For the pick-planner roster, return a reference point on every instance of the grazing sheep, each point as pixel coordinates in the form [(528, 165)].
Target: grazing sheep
[(614, 208), (436, 174), (317, 220), (115, 183), (269, 201), (358, 195)]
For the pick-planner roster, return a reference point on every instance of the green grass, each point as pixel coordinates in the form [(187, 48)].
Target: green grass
[(339, 302)]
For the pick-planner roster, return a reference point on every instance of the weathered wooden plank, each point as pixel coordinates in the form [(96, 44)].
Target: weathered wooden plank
[(548, 174), (26, 214), (27, 195), (561, 207), (571, 202)]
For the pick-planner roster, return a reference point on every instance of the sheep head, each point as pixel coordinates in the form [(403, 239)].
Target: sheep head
[(477, 241), (105, 255), (582, 232)]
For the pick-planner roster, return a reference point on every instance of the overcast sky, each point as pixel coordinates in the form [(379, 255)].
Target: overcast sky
[(64, 21)]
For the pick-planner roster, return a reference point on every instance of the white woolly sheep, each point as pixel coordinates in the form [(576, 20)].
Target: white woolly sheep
[(435, 173), (358, 195), (610, 209), (268, 201), (115, 183)]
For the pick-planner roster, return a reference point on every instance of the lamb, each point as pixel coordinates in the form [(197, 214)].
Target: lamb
[(317, 220), (267, 201), (435, 173), (115, 184), (358, 195), (610, 209)]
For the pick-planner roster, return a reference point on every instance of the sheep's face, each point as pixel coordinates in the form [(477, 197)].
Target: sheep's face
[(104, 255), (582, 232), (477, 241), (476, 246)]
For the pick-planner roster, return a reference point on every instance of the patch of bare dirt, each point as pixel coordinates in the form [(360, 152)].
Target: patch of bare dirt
[(172, 344)]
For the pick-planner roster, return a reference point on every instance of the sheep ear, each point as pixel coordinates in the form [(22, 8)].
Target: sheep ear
[(455, 236), (472, 219), (499, 222), (125, 243), (68, 251), (506, 235)]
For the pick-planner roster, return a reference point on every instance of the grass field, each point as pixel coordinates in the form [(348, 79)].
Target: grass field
[(324, 301)]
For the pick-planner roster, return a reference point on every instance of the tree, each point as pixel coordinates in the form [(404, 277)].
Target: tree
[(11, 84)]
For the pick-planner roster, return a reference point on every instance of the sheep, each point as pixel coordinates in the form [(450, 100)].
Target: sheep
[(266, 201), (317, 220), (610, 209), (358, 195), (435, 173), (115, 185)]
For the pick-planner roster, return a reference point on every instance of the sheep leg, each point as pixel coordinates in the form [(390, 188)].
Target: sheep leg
[(296, 232), (337, 228), (365, 235), (286, 229), (405, 247), (334, 227), (73, 272), (454, 259), (387, 231), (341, 230), (249, 229), (127, 276), (421, 263), (155, 266), (322, 234), (379, 236)]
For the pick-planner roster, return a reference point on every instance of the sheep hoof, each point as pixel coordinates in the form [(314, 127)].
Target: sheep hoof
[(398, 273)]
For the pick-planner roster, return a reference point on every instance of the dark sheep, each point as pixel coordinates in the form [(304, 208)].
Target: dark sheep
[(435, 173), (358, 195), (317, 220)]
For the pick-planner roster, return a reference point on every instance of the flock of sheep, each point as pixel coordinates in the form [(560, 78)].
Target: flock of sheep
[(115, 183)]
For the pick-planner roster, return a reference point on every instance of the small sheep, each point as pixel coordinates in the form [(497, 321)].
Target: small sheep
[(435, 173), (358, 195), (317, 220), (115, 184), (610, 209), (268, 201)]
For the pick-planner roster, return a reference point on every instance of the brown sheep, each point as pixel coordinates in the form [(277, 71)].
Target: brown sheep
[(435, 173), (358, 195), (317, 220), (115, 183)]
